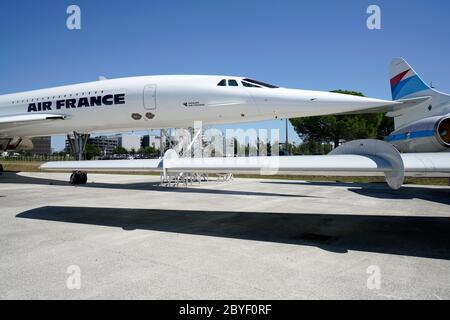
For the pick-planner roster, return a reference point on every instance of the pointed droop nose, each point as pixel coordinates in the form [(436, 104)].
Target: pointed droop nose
[(343, 103), (303, 103)]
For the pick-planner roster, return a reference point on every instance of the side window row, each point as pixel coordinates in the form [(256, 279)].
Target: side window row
[(57, 97)]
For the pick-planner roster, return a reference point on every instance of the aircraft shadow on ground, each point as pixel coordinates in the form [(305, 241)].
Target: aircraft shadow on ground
[(427, 237), (150, 186), (381, 190)]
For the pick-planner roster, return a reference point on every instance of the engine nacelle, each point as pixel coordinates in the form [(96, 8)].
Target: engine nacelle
[(426, 135)]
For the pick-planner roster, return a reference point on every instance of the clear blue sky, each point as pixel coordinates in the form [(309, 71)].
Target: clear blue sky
[(319, 44)]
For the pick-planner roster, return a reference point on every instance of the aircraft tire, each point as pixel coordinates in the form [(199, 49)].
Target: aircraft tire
[(73, 178), (78, 178), (83, 177)]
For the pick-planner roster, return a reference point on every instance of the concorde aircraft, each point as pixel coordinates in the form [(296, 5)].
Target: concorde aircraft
[(422, 133), (161, 102), (421, 116), (156, 102)]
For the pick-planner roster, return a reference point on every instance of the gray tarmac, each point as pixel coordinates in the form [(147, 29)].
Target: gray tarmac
[(129, 238)]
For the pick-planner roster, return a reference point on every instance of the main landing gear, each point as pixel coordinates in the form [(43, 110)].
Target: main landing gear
[(1, 169), (77, 144), (78, 178)]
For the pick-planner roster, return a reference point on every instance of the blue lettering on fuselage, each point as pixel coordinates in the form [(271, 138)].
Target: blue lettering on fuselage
[(96, 101)]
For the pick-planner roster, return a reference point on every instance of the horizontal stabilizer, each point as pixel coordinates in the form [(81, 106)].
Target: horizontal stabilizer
[(408, 105)]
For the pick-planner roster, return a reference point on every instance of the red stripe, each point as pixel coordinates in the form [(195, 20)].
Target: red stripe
[(395, 80)]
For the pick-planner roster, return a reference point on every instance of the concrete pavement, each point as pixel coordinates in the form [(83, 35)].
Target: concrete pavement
[(247, 239)]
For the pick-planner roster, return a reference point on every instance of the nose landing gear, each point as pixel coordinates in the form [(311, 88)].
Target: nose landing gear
[(78, 178)]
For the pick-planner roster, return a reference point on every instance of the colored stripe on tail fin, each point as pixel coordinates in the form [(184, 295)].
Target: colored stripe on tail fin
[(405, 83)]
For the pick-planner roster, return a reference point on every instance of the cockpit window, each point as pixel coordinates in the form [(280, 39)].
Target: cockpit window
[(222, 83), (262, 84), (232, 83), (249, 85)]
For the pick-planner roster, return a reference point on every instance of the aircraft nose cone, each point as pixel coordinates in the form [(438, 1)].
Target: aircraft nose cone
[(291, 103), (341, 103)]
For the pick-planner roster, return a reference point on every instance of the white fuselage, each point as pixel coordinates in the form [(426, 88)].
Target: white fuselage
[(154, 102)]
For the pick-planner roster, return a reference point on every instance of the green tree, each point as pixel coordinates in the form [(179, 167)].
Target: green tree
[(120, 150), (313, 148), (91, 152), (386, 128), (337, 128), (149, 151)]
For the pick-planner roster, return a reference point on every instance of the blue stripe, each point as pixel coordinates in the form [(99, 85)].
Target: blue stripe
[(412, 135), (408, 86)]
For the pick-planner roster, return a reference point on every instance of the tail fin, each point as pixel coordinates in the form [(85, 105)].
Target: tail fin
[(405, 82), (408, 87)]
